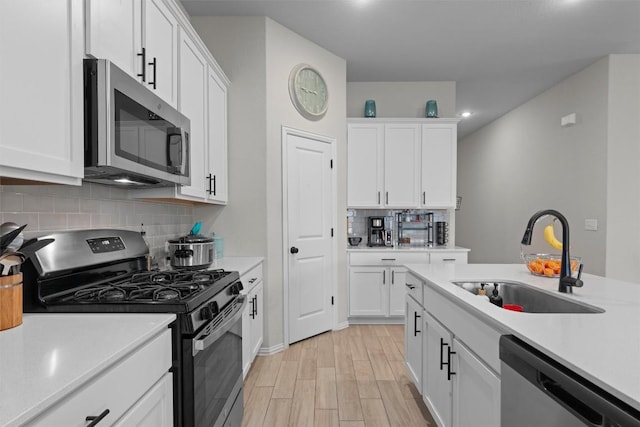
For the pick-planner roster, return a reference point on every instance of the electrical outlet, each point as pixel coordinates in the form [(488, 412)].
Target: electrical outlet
[(591, 224)]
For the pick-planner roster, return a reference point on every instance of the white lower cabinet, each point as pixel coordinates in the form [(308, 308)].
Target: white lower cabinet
[(138, 390), (252, 317), (413, 335), (456, 356), (376, 291)]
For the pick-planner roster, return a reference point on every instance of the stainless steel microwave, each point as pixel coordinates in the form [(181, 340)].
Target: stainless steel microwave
[(131, 136)]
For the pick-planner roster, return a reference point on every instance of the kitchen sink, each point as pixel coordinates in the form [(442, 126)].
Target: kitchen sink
[(532, 300)]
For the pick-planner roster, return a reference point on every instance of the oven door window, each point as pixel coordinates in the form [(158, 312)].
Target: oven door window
[(146, 138), (217, 372)]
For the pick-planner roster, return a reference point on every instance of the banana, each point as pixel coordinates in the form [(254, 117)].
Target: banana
[(550, 237)]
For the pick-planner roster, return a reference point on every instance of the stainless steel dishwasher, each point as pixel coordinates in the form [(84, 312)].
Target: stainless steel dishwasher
[(538, 391)]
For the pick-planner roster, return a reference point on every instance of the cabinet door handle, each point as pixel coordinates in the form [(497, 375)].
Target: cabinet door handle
[(255, 306), (416, 316), (214, 185), (378, 197), (384, 276), (424, 197), (393, 277), (442, 344), (155, 66), (386, 198), (96, 419), (209, 191), (252, 312), (144, 65), (449, 372)]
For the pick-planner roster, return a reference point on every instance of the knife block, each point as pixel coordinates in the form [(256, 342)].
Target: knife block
[(10, 301)]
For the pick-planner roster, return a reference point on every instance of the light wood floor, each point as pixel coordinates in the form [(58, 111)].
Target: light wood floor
[(355, 377)]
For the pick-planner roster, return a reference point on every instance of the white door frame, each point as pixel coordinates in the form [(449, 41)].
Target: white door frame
[(286, 131)]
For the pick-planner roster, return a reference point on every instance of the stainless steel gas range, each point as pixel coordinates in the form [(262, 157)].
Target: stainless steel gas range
[(104, 270)]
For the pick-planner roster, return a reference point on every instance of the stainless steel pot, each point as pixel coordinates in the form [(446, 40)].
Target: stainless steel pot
[(191, 252)]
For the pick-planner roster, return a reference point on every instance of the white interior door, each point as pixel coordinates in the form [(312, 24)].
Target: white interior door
[(309, 205)]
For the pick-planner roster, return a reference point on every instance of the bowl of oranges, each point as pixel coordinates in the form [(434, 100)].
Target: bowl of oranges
[(548, 265)]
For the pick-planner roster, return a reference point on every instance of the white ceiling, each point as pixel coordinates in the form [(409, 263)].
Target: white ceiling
[(501, 53)]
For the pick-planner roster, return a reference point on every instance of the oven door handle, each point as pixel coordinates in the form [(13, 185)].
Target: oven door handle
[(203, 341)]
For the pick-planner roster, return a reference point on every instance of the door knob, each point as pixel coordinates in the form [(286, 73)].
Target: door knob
[(293, 250)]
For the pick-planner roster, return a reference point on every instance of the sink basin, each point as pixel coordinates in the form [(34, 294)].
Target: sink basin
[(531, 299)]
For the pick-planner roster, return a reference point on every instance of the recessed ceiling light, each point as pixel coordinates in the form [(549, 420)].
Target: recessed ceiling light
[(466, 114)]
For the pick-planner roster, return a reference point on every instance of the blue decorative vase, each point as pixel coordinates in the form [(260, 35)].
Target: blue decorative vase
[(370, 108), (431, 109)]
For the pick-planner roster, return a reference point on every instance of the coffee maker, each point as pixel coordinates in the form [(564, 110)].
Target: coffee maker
[(379, 233)]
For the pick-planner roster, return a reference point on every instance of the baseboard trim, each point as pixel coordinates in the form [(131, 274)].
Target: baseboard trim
[(266, 351), (340, 326), (366, 320)]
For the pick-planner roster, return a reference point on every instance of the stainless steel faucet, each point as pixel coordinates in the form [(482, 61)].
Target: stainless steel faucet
[(566, 282)]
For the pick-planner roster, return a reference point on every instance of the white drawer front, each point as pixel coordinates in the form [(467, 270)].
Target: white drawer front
[(116, 389), (414, 287), (389, 258), (453, 257), (252, 277)]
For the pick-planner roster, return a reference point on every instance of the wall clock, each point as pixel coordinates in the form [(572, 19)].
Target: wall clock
[(308, 92)]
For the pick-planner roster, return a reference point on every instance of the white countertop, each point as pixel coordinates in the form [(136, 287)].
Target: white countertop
[(362, 247), (241, 264), (50, 355), (604, 348)]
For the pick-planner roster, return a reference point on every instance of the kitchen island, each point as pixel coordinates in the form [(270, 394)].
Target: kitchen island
[(53, 358), (603, 347)]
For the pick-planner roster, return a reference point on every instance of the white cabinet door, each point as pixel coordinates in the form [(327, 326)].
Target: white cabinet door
[(257, 319), (436, 385), (413, 340), (365, 163), (368, 293), (401, 165), (193, 104), (154, 409), (476, 391), (160, 38), (113, 32), (217, 190), (397, 291), (439, 148), (41, 107)]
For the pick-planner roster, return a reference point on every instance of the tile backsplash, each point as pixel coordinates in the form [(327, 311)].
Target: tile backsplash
[(52, 208)]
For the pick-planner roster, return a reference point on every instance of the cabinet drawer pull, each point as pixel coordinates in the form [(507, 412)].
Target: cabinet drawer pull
[(410, 286), (95, 420), (387, 259), (253, 279), (448, 259)]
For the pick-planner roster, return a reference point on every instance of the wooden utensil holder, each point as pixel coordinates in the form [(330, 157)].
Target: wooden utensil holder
[(10, 301)]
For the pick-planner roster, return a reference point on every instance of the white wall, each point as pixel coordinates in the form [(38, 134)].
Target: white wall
[(257, 54), (623, 158), (401, 99), (525, 161)]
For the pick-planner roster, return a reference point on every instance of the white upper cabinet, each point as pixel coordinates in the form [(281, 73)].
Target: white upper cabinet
[(160, 40), (439, 157), (365, 164), (41, 100), (193, 104), (216, 174), (401, 163), (139, 36), (114, 32)]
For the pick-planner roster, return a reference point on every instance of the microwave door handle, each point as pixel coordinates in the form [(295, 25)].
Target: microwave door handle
[(174, 157)]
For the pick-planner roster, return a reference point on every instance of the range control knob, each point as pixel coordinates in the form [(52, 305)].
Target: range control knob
[(213, 306), (236, 288), (206, 313)]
